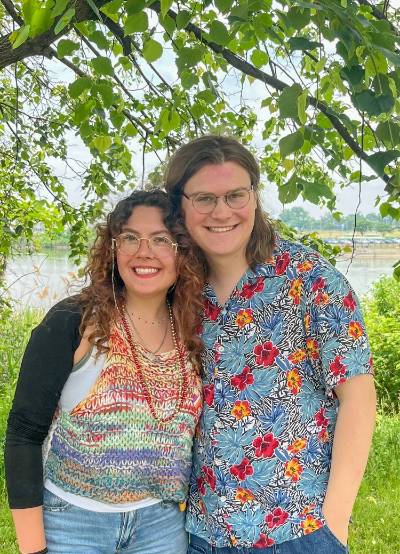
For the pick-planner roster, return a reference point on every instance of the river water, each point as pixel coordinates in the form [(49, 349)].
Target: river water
[(42, 279)]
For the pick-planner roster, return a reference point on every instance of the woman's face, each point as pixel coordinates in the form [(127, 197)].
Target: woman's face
[(147, 272)]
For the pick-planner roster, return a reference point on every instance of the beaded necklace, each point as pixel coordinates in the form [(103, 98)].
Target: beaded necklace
[(183, 389)]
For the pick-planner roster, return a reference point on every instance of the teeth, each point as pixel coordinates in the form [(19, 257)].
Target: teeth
[(145, 270), (220, 229)]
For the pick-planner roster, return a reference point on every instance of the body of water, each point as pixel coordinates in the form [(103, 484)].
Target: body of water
[(41, 280)]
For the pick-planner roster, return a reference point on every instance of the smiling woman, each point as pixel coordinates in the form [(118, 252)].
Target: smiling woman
[(109, 383)]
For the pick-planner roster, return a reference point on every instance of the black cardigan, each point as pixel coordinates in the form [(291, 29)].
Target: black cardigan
[(46, 365)]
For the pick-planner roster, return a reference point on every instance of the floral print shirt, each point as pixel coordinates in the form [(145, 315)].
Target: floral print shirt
[(289, 334)]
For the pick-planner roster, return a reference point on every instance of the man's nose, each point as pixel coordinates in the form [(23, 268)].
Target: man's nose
[(221, 208)]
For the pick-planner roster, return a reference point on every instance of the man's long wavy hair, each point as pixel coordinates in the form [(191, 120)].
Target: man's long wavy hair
[(99, 309), (214, 150)]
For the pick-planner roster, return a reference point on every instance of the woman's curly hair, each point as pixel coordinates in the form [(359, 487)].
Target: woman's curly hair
[(97, 298)]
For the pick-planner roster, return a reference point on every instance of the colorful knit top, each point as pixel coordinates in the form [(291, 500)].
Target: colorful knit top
[(110, 448)]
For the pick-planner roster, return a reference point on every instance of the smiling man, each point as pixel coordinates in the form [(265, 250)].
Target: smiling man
[(289, 399)]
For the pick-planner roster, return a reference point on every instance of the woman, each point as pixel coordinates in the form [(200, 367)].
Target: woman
[(108, 381), (289, 398)]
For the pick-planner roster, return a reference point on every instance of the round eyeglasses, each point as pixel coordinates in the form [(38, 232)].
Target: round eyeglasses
[(205, 202), (129, 244)]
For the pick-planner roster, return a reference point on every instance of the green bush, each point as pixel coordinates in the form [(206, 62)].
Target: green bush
[(382, 317)]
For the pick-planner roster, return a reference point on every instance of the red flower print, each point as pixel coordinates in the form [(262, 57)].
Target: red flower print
[(263, 542), (322, 299), (293, 470), (282, 262), (355, 329), (248, 290), (276, 518), (297, 356), (319, 283), (323, 435), (208, 394), (201, 486), (320, 418), (209, 477), (265, 446), (266, 353), (211, 311), (243, 379), (336, 367), (304, 266), (349, 302), (242, 470)]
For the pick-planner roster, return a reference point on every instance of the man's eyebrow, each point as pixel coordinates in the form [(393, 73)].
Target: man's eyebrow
[(243, 187)]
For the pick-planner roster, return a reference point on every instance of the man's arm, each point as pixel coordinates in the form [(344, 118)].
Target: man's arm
[(352, 441)]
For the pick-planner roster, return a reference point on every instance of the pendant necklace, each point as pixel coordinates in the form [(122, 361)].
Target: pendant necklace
[(152, 354)]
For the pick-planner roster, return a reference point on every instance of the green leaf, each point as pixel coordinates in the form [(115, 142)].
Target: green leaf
[(379, 160), (64, 20), (373, 104), (66, 47), (106, 92), (223, 5), (99, 38), (59, 7), (207, 96), (287, 101), (165, 6), (259, 58), (391, 56), (111, 10), (117, 118), (183, 18), (313, 192), (388, 132), (289, 191), (218, 33), (354, 74), (134, 6), (77, 87), (301, 106), (152, 50), (20, 36), (298, 18), (302, 43), (169, 24), (136, 23), (189, 57), (188, 79), (102, 143), (41, 21), (102, 66), (291, 143)]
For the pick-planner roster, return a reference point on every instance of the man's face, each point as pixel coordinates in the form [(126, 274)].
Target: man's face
[(224, 231)]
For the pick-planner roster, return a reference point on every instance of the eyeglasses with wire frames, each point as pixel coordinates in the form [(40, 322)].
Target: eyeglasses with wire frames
[(128, 243), (205, 202)]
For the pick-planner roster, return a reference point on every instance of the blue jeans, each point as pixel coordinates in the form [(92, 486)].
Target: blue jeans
[(155, 529), (322, 541)]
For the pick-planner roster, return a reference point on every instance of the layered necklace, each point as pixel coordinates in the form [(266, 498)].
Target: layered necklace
[(151, 354), (183, 389)]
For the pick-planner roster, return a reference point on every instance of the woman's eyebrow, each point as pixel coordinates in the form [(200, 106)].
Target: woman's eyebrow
[(154, 233)]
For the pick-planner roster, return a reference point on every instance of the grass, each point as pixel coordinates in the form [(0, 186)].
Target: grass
[(377, 510)]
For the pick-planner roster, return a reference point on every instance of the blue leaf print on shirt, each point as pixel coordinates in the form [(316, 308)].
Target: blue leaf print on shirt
[(272, 328), (247, 525), (264, 382), (233, 357), (262, 475), (282, 533), (356, 361), (223, 394), (230, 443), (224, 481), (328, 351), (312, 484), (209, 334), (273, 421), (310, 400), (311, 452), (336, 317)]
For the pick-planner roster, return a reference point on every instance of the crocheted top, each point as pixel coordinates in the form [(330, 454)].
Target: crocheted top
[(110, 448)]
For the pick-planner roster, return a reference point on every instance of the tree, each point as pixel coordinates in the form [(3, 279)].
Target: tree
[(298, 218), (148, 75)]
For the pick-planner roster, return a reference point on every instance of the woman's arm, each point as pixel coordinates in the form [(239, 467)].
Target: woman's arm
[(46, 365), (352, 441), (29, 528)]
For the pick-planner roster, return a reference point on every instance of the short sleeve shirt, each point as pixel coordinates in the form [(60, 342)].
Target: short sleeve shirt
[(289, 334)]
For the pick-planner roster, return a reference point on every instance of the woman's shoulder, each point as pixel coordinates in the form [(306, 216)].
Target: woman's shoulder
[(66, 314)]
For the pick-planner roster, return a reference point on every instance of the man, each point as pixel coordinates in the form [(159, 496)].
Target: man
[(289, 399)]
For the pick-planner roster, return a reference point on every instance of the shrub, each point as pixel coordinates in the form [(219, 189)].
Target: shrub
[(382, 317)]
